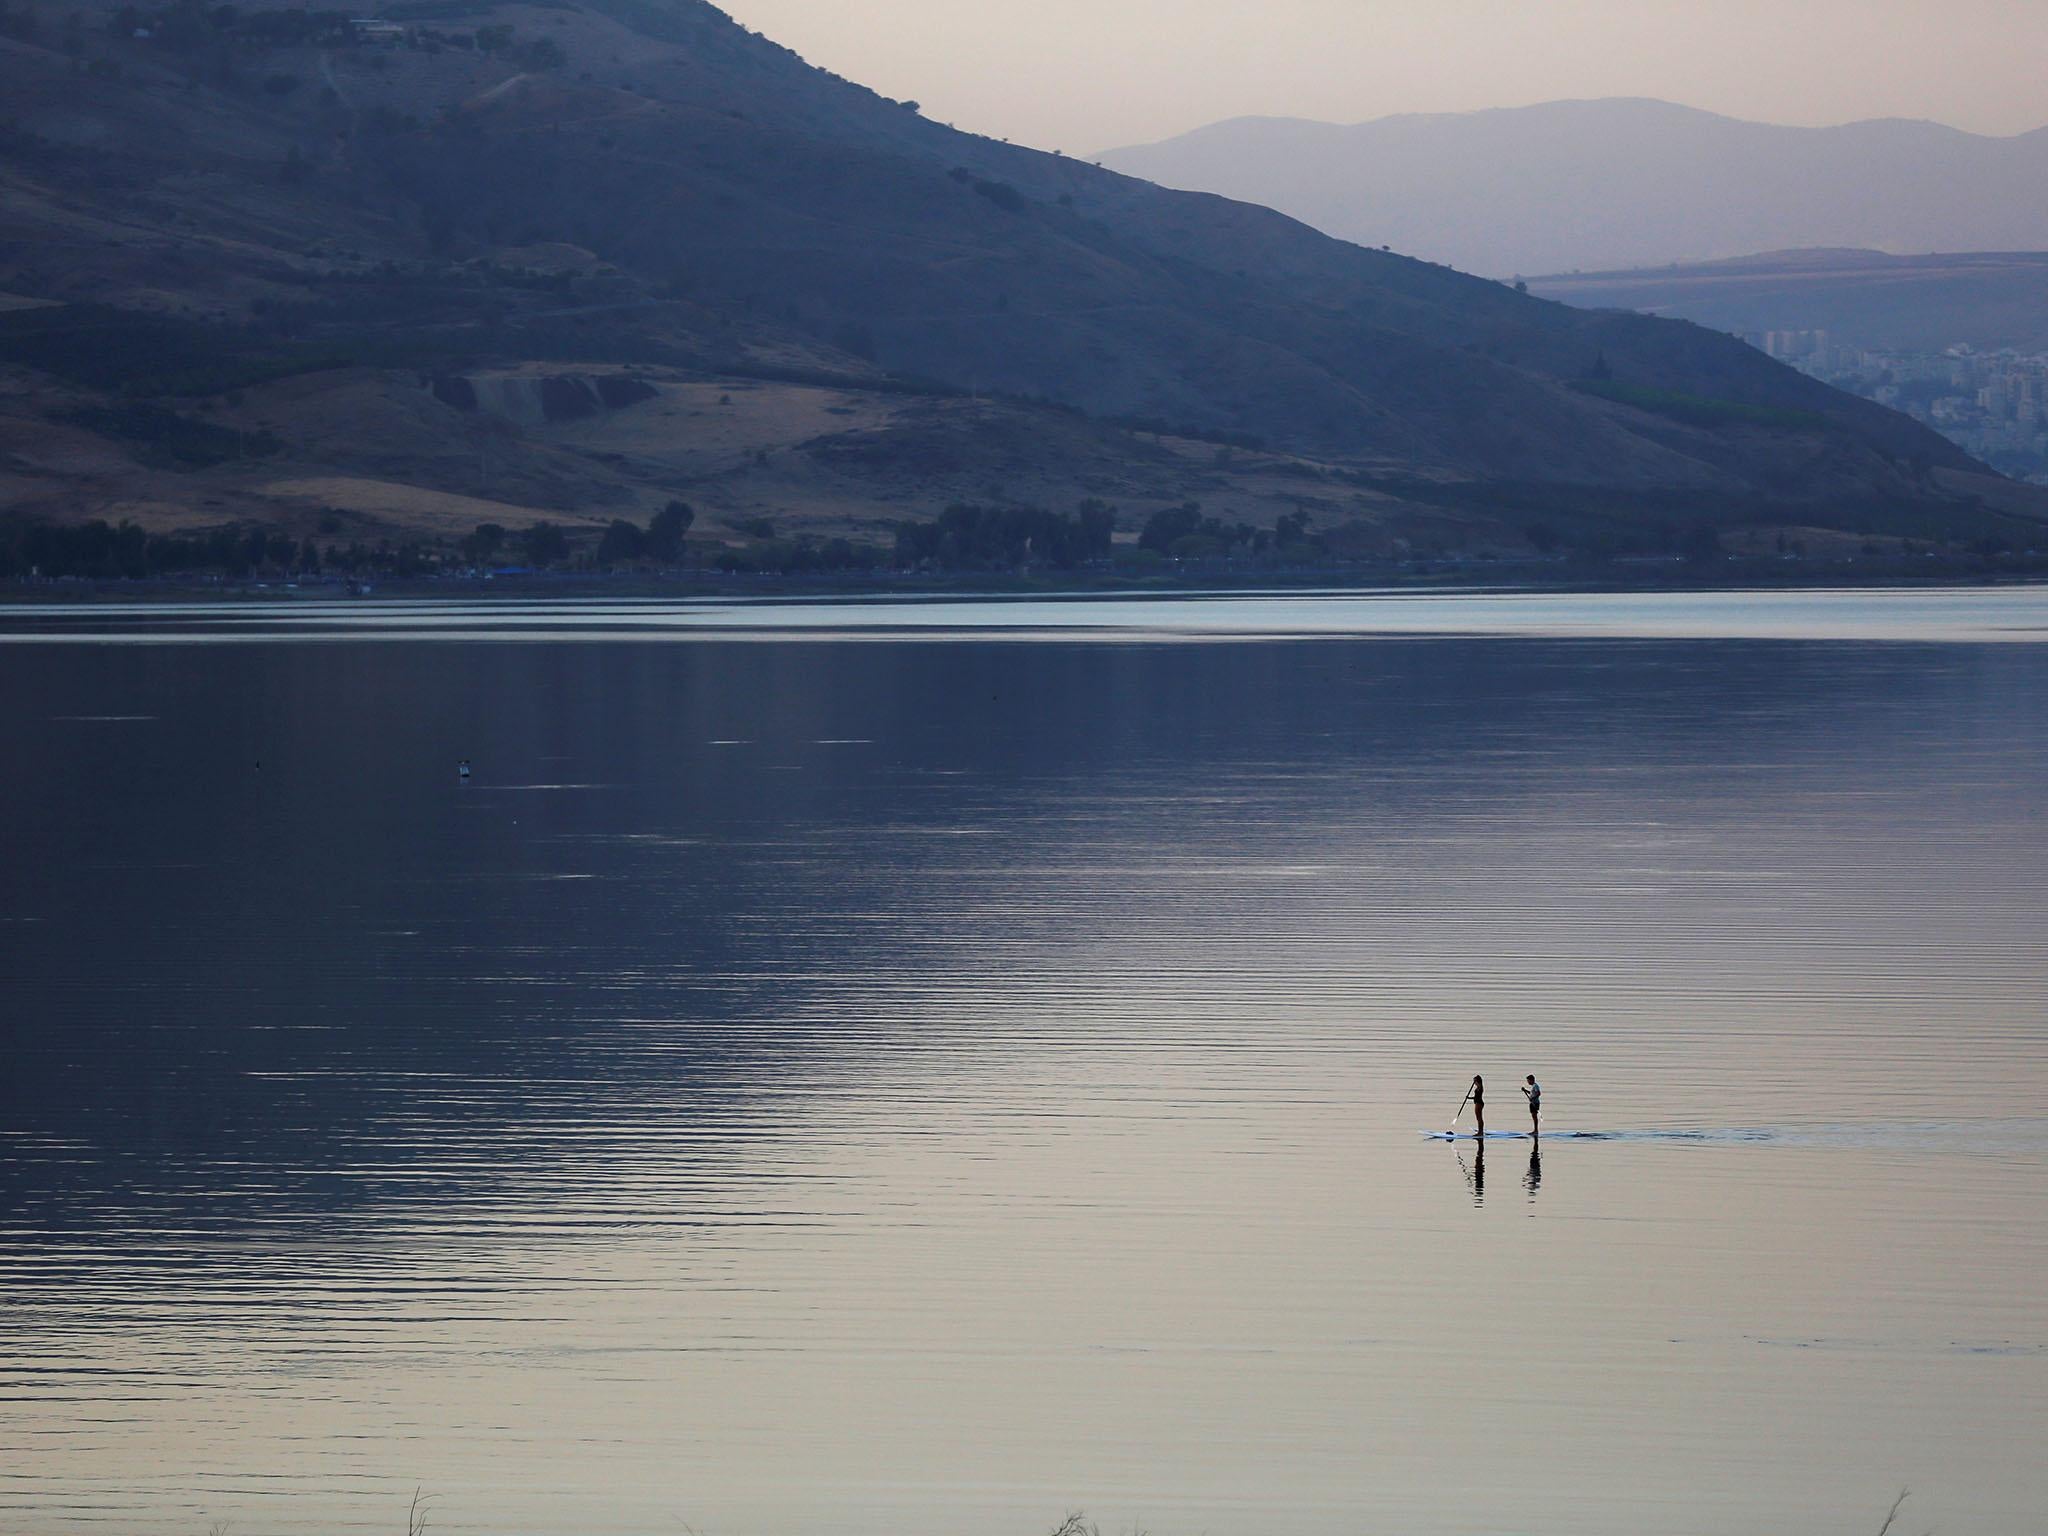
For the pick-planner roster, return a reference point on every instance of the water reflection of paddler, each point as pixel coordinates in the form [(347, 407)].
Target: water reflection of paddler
[(1475, 1176), (1533, 1179)]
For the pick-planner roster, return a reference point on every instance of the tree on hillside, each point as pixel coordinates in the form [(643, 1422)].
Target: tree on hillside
[(667, 530), (1166, 527), (544, 544), (1098, 522), (1291, 528), (484, 543), (622, 544)]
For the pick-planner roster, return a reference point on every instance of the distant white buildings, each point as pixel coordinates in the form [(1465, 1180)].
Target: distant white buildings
[(1992, 404), (1795, 346)]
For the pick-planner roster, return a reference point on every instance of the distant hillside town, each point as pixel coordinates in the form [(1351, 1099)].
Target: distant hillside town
[(1991, 403)]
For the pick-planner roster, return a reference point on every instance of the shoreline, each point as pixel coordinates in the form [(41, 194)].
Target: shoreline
[(994, 586)]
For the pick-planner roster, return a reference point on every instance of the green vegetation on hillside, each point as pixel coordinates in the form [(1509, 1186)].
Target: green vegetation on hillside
[(166, 438), (135, 354), (1702, 411)]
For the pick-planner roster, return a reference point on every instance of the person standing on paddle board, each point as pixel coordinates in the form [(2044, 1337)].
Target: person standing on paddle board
[(1533, 1092), (1479, 1105)]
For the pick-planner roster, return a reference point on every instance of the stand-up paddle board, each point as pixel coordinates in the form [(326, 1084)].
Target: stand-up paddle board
[(1471, 1136)]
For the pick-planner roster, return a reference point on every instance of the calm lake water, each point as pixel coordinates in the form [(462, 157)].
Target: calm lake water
[(934, 1083)]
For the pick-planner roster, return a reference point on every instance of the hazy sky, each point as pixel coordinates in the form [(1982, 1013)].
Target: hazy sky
[(1084, 75)]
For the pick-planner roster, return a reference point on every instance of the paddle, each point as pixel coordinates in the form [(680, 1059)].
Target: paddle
[(1461, 1110)]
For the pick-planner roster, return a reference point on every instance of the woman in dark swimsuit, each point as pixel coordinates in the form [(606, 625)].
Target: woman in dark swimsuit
[(1479, 1105)]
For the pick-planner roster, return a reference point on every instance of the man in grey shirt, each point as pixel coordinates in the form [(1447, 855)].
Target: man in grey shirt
[(1533, 1092)]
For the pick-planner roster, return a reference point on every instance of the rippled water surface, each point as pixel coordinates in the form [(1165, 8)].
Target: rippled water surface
[(930, 1084)]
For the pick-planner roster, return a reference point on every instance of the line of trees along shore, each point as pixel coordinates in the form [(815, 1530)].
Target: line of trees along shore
[(963, 537)]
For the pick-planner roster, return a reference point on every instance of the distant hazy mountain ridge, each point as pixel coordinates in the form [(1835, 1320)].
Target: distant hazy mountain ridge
[(1618, 183)]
